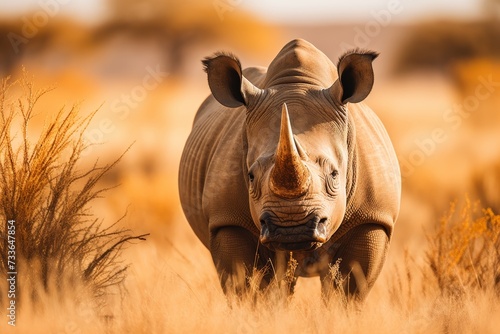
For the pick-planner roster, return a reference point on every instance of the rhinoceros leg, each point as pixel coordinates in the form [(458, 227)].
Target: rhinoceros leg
[(234, 252), (362, 253)]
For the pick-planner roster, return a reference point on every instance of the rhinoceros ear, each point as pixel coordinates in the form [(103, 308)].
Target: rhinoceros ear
[(355, 76), (226, 80)]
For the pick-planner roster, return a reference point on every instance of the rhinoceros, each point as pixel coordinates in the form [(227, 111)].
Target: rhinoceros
[(287, 162)]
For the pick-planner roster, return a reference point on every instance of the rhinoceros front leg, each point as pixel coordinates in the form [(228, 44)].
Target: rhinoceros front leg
[(235, 253), (362, 253)]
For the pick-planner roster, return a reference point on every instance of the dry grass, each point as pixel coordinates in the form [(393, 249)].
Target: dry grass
[(448, 285), (464, 253), (177, 291), (59, 242)]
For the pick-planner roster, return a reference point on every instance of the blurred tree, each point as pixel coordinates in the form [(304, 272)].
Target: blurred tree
[(26, 38), (178, 25), (441, 45), (491, 9), (175, 26), (8, 55), (15, 43)]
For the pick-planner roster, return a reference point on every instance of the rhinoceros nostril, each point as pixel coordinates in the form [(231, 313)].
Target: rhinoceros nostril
[(265, 218), (322, 221), (265, 234)]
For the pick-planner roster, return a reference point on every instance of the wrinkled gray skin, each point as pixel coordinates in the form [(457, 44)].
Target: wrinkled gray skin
[(286, 161)]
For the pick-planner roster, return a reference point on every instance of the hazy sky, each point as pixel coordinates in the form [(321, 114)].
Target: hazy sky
[(359, 10), (290, 11)]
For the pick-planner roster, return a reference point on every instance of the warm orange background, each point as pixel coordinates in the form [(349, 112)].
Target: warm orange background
[(437, 90)]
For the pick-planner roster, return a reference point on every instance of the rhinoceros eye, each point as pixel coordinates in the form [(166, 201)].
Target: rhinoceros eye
[(253, 189), (332, 183)]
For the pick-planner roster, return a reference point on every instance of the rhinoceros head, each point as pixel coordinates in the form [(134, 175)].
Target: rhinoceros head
[(296, 138)]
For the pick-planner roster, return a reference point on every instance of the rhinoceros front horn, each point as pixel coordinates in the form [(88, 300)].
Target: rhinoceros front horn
[(290, 178)]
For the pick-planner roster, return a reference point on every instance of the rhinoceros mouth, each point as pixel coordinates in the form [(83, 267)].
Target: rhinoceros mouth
[(294, 246), (305, 237)]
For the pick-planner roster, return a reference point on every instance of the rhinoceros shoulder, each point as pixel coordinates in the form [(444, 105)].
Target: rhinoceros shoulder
[(376, 174)]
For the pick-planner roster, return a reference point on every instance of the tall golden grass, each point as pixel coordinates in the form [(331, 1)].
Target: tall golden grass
[(447, 285), (177, 291), (464, 253)]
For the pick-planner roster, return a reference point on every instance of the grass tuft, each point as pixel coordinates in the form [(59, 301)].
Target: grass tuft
[(464, 252)]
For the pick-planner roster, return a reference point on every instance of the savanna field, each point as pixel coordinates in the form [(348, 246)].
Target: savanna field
[(94, 119)]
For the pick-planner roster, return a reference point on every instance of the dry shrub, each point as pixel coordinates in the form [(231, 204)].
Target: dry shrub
[(451, 284), (464, 252), (59, 242)]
